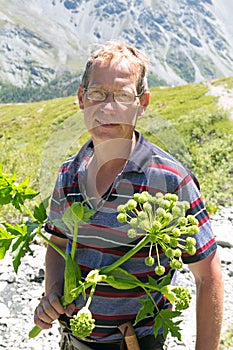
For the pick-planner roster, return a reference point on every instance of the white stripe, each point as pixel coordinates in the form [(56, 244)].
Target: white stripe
[(74, 194), (199, 212), (167, 159), (106, 240), (121, 195), (53, 200)]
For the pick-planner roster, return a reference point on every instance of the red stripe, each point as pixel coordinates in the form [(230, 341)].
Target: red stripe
[(204, 220), (203, 248), (166, 167), (196, 202), (185, 181)]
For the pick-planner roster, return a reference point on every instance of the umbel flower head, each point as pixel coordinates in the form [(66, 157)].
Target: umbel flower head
[(163, 219), (82, 324)]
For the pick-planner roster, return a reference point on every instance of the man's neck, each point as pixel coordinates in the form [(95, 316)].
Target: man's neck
[(114, 151)]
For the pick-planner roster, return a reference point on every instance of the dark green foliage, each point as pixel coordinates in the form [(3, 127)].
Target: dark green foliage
[(62, 86)]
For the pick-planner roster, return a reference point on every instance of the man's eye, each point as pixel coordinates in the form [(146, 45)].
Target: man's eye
[(124, 96), (96, 94)]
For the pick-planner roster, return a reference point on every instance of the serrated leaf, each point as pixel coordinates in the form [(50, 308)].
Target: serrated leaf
[(169, 325), (22, 244), (88, 213), (152, 281), (40, 213), (158, 324), (146, 309), (167, 291), (5, 242), (165, 280)]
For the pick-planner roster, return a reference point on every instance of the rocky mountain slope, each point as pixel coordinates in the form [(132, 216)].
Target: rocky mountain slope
[(187, 40)]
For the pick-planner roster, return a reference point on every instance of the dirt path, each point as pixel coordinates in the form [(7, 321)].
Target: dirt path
[(225, 95)]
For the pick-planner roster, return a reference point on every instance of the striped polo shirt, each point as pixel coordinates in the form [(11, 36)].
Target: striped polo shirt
[(103, 239)]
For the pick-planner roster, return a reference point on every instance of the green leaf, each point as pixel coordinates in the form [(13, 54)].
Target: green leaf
[(40, 211), (169, 294), (165, 280), (169, 325), (5, 242), (72, 276), (158, 324), (121, 279), (146, 309), (22, 244), (88, 213), (152, 281), (75, 214)]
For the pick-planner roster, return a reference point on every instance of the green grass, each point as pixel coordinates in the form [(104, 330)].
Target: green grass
[(37, 137)]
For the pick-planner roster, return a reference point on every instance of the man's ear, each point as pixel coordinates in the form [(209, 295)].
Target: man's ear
[(80, 96), (144, 102)]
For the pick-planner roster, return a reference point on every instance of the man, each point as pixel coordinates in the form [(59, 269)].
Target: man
[(116, 163)]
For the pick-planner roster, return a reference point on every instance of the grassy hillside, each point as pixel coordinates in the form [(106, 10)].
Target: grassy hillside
[(185, 120)]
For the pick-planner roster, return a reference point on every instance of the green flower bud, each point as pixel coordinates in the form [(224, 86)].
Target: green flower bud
[(176, 211), (143, 198), (192, 220), (190, 249), (121, 208), (191, 241), (176, 264), (192, 230), (82, 324), (169, 252), (183, 297), (132, 233), (159, 270), (168, 217), (166, 204), (122, 217), (136, 197), (177, 253), (182, 221), (131, 205), (149, 261), (159, 195), (160, 212), (147, 206), (142, 215), (176, 232), (156, 226), (133, 222), (173, 242), (166, 238), (171, 197)]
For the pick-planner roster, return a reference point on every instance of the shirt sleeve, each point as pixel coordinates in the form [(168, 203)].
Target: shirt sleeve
[(189, 190), (54, 224)]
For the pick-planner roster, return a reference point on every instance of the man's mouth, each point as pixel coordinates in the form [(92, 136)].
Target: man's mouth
[(105, 124)]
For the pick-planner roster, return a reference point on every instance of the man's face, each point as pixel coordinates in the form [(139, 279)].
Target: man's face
[(110, 119)]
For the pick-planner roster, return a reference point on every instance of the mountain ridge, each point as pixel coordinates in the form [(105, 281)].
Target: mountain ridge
[(186, 41)]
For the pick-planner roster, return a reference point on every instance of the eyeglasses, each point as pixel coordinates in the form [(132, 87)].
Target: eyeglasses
[(120, 96)]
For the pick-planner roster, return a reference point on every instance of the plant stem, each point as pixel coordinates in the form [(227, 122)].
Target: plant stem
[(54, 246), (29, 212), (74, 243), (106, 269)]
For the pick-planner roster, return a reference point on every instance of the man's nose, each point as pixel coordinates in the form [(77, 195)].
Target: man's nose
[(110, 97)]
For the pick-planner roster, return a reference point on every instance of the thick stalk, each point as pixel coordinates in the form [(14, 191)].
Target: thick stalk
[(106, 269), (74, 243)]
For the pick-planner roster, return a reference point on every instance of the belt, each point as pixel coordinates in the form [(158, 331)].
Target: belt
[(145, 343)]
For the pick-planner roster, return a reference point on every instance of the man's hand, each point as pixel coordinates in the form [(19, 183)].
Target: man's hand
[(50, 307), (49, 310)]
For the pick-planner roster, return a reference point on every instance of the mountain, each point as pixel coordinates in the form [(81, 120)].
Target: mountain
[(186, 40)]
